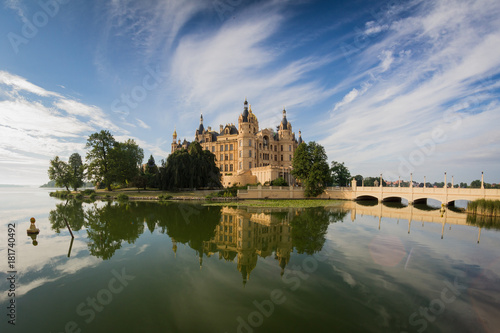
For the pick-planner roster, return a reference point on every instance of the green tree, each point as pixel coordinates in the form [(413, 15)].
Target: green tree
[(359, 180), (475, 183), (192, 168), (60, 172), (151, 173), (125, 161), (279, 182), (140, 180), (77, 170), (99, 157), (370, 181), (340, 174), (310, 167)]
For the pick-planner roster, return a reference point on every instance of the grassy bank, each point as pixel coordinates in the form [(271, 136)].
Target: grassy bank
[(134, 194), (210, 198), (484, 207)]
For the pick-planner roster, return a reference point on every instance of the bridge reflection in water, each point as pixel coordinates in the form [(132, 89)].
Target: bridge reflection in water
[(411, 213)]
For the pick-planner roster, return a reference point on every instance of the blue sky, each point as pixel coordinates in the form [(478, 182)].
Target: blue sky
[(392, 87)]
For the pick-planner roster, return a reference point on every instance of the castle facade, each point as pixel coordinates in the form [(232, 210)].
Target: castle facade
[(246, 154)]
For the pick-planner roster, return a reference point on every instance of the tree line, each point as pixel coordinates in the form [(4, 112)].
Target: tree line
[(112, 163), (109, 162)]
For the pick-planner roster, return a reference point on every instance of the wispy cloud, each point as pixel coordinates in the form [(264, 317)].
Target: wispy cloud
[(433, 72), (215, 70), (142, 124), (37, 124)]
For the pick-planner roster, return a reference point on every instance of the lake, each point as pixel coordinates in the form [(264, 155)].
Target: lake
[(179, 267)]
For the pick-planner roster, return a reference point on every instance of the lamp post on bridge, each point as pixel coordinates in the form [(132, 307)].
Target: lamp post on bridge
[(482, 179), (424, 182), (411, 180), (380, 180)]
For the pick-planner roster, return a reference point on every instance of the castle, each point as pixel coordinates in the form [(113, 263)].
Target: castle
[(245, 154)]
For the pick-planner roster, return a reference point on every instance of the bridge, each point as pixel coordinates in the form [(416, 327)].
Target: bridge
[(416, 195)]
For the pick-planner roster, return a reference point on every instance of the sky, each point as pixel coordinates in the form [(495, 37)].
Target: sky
[(394, 87)]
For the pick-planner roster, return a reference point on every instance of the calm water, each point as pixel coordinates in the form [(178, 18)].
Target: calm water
[(148, 267)]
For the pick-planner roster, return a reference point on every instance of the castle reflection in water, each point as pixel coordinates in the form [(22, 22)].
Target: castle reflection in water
[(245, 236)]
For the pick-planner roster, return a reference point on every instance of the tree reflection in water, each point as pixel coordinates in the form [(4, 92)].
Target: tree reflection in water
[(232, 233)]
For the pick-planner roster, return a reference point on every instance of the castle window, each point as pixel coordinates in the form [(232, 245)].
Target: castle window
[(275, 148), (276, 157), (221, 148), (225, 167), (226, 157), (213, 149), (290, 157), (230, 167), (230, 157), (281, 147), (240, 153), (250, 142), (249, 153), (231, 146), (241, 142), (225, 148), (281, 157), (266, 141), (260, 145), (221, 157), (289, 147), (271, 147), (249, 165), (240, 166)]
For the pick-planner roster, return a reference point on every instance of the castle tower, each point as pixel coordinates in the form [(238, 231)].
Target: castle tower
[(174, 141), (246, 141), (285, 126), (199, 132)]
